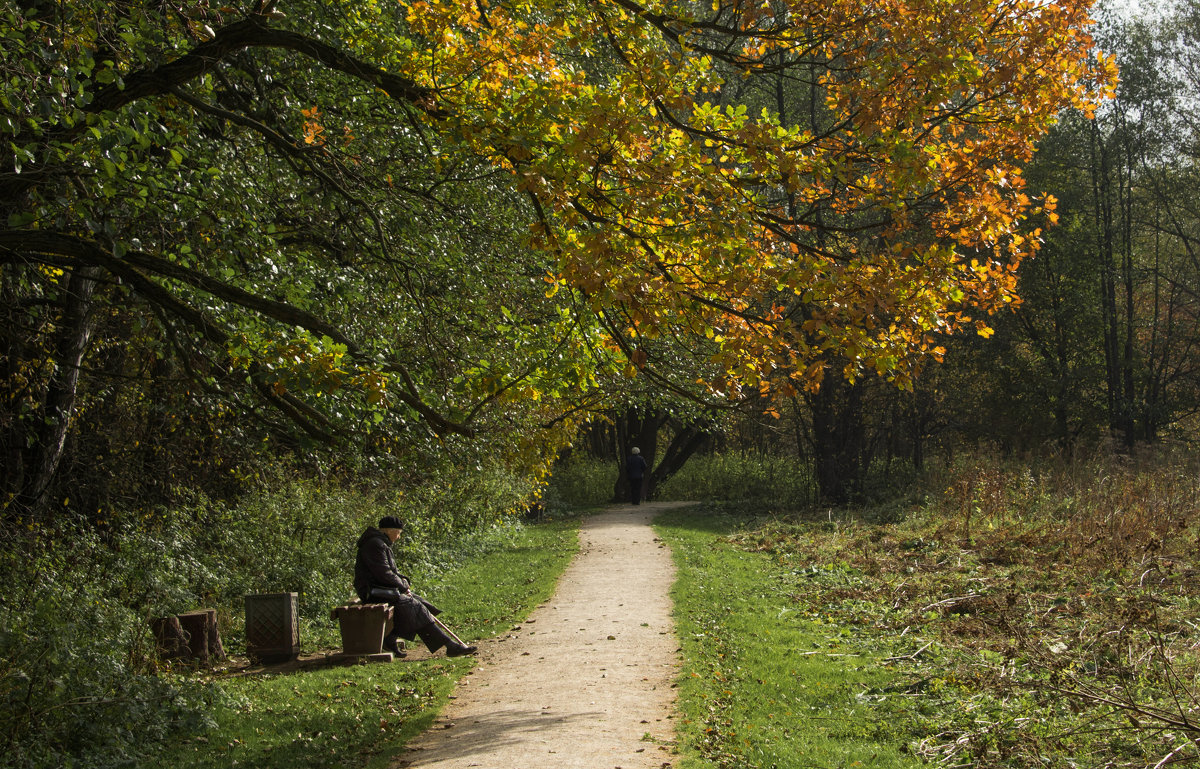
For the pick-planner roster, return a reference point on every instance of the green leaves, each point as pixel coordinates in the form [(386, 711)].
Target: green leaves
[(731, 202)]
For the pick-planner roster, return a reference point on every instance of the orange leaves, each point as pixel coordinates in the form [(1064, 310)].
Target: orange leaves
[(314, 132), (841, 225)]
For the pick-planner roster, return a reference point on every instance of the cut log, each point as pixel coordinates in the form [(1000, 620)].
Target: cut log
[(168, 637), (191, 635)]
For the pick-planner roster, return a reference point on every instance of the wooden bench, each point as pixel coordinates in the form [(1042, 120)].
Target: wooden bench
[(363, 627)]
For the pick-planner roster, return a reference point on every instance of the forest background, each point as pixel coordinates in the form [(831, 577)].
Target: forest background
[(269, 272)]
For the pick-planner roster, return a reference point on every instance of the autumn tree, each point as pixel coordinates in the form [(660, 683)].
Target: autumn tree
[(282, 195), (201, 268), (884, 216)]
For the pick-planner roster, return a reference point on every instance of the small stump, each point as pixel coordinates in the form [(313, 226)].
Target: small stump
[(363, 627), (192, 635)]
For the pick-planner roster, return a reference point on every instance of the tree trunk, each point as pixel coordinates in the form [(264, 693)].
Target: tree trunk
[(635, 428), (193, 635), (1118, 408), (43, 456), (686, 442)]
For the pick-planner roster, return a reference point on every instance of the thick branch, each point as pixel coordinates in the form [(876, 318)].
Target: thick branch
[(254, 33), (36, 242), (280, 311)]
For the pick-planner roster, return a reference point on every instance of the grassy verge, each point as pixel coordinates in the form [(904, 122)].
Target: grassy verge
[(362, 715), (1015, 617), (769, 681)]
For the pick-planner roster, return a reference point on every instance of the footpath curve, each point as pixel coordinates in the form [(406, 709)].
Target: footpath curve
[(586, 682)]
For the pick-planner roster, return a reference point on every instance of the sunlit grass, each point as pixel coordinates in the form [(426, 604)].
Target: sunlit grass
[(361, 715), (767, 682), (356, 715), (1006, 614)]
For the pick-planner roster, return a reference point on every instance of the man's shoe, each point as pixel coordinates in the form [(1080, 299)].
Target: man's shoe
[(395, 646), (459, 650)]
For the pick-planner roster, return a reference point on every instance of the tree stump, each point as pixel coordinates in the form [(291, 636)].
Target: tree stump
[(191, 635), (168, 637)]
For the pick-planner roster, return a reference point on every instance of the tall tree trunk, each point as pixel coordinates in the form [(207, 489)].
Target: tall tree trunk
[(635, 428), (1125, 197), (684, 444), (43, 456), (1118, 412), (11, 406)]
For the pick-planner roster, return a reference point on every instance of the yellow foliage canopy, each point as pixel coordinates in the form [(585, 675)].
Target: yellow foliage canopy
[(857, 230), (796, 182)]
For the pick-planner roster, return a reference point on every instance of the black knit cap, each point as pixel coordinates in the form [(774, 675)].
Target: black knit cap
[(390, 522)]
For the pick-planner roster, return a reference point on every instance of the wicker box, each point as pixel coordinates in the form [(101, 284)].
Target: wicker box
[(272, 627)]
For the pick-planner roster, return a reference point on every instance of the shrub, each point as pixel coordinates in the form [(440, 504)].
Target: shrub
[(580, 483), (1102, 512), (74, 675), (79, 681), (764, 481)]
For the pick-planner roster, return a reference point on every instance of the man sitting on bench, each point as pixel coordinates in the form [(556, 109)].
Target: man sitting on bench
[(376, 580)]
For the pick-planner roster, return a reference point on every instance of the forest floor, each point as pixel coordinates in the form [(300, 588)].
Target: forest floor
[(585, 681)]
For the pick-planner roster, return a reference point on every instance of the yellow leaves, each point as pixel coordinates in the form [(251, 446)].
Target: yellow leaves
[(641, 212), (554, 283), (374, 385)]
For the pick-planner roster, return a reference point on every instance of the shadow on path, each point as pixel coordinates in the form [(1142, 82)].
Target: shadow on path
[(588, 679)]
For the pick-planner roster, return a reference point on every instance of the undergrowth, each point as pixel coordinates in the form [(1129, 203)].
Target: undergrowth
[(752, 481), (1017, 615), (80, 682), (580, 483)]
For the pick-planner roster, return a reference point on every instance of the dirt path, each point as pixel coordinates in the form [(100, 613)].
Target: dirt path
[(586, 680)]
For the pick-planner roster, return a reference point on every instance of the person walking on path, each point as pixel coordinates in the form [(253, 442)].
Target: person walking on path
[(377, 580), (635, 468)]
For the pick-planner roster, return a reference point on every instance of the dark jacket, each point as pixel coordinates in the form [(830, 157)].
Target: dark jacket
[(375, 566), (375, 570), (636, 467)]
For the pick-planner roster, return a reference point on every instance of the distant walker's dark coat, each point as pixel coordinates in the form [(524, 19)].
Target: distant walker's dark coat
[(377, 580), (635, 468)]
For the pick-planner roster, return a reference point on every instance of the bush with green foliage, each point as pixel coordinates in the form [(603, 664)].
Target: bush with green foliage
[(74, 675), (759, 481), (78, 671), (580, 483)]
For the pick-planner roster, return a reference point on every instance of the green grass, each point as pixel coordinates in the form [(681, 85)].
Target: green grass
[(1007, 617), (766, 681), (358, 715), (501, 581), (361, 715)]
